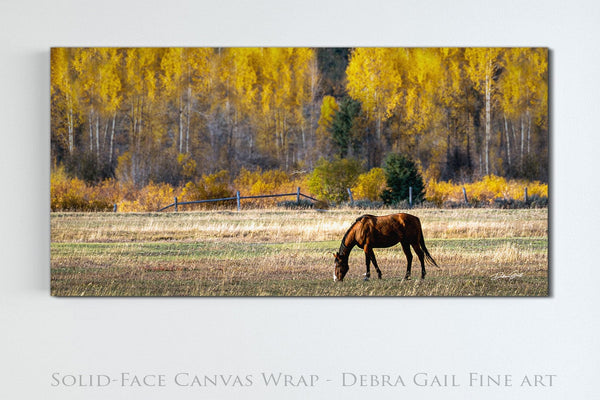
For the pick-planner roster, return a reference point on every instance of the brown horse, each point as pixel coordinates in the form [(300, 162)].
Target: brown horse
[(369, 232)]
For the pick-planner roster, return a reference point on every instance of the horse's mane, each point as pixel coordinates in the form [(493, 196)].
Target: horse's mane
[(351, 226), (349, 229)]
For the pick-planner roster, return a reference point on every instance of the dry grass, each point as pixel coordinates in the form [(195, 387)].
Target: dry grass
[(284, 226), (481, 252)]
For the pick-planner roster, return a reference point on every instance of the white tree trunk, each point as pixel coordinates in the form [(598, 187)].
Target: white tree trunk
[(488, 107), (97, 137), (528, 132), (187, 127), (180, 124), (112, 139), (70, 125), (91, 128), (522, 140), (507, 141)]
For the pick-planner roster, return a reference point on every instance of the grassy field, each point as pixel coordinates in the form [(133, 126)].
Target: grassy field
[(481, 252)]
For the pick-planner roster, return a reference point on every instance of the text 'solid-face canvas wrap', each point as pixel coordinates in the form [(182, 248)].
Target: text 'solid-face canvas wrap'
[(299, 172)]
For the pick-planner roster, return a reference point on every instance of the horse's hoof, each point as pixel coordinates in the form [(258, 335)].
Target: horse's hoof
[(407, 278), (366, 278)]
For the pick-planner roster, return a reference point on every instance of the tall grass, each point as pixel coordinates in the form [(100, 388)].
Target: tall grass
[(285, 226)]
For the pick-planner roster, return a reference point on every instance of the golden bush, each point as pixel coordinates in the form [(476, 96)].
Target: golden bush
[(213, 186), (485, 192), (72, 194), (369, 185), (259, 182)]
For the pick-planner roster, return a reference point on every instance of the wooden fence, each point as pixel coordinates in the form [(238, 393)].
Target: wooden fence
[(238, 199), (298, 196)]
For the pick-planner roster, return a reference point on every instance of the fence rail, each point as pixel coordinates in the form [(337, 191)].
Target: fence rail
[(239, 198), (298, 195)]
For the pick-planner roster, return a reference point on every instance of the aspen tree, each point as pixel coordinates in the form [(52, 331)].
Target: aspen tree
[(481, 67)]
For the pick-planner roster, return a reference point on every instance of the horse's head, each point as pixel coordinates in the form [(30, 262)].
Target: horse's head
[(341, 267)]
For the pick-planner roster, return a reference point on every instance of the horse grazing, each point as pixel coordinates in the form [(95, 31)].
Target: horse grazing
[(369, 232)]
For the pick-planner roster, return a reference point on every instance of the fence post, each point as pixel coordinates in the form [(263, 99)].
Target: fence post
[(465, 195), (175, 204), (298, 196), (350, 197), (410, 197), (237, 195), (526, 197)]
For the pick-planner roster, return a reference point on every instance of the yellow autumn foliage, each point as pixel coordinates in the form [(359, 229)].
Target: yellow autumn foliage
[(213, 186), (72, 194), (259, 182), (484, 192), (369, 185), (152, 197)]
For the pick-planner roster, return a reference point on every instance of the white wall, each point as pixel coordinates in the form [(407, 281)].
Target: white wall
[(41, 335)]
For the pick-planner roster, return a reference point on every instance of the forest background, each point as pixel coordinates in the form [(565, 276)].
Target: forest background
[(137, 126)]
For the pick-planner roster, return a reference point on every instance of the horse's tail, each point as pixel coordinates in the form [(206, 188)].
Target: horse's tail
[(427, 255)]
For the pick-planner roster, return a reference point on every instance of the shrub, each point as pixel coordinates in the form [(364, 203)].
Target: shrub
[(268, 182), (214, 186), (370, 185), (155, 196), (187, 166), (259, 182), (489, 191), (400, 174), (152, 197), (330, 180), (441, 192), (72, 194)]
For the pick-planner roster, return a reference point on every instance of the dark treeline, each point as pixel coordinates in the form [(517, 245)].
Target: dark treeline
[(174, 114)]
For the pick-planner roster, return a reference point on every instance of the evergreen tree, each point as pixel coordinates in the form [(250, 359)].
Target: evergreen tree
[(400, 174), (342, 125)]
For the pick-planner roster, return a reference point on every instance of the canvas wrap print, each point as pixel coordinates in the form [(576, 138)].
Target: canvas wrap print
[(299, 172)]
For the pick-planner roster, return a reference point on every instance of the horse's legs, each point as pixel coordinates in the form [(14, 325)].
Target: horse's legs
[(409, 257), (421, 256), (368, 263), (372, 254)]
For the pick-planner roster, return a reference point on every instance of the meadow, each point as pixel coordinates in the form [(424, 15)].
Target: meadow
[(277, 252)]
